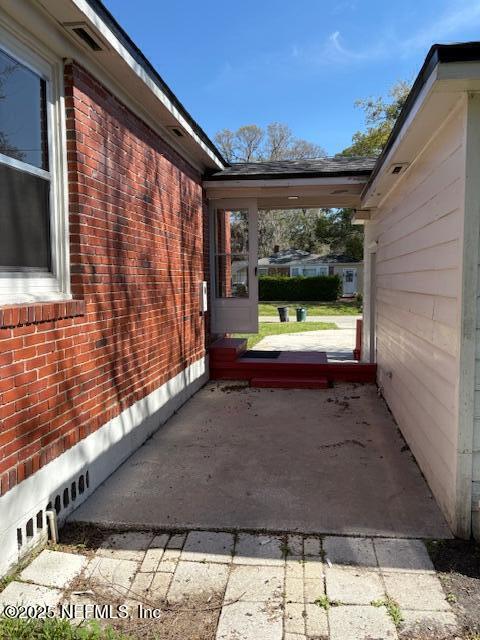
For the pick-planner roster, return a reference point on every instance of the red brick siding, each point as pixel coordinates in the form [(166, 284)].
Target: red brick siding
[(137, 252)]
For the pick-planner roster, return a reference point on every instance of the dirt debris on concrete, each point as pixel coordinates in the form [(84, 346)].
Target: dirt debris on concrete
[(199, 467)]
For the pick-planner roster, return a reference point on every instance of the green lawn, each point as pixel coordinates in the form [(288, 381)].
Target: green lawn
[(276, 328), (340, 308)]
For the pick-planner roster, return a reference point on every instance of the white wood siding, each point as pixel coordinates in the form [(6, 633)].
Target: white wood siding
[(473, 173), (419, 234)]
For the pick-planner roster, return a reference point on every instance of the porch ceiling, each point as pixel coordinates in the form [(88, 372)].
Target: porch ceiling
[(319, 182)]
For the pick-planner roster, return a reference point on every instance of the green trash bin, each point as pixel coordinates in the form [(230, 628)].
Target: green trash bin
[(301, 314)]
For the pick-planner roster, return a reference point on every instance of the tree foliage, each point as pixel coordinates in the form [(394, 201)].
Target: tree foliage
[(251, 143), (336, 230), (6, 147), (288, 229), (380, 117)]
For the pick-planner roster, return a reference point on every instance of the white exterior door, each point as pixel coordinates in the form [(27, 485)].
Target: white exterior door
[(234, 254), (349, 282)]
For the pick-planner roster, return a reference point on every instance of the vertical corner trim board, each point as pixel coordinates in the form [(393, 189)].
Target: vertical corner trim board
[(99, 454)]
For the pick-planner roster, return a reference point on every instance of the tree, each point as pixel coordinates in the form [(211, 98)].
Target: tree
[(293, 228), (380, 118), (251, 143), (6, 147), (336, 230), (288, 229)]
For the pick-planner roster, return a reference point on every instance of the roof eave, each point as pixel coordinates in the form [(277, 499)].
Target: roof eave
[(288, 175), (437, 58)]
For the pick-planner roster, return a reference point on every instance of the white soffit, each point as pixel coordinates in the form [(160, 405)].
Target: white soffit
[(291, 193)]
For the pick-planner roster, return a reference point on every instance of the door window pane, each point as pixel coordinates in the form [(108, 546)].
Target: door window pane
[(23, 122), (232, 276), (24, 221), (231, 253)]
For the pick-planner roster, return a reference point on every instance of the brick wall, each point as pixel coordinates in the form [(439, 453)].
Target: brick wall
[(137, 227)]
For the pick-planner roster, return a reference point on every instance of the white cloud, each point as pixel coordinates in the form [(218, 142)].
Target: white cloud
[(450, 25), (334, 51), (464, 15)]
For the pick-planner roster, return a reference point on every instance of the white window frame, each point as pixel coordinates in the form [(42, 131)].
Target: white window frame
[(18, 287), (295, 272)]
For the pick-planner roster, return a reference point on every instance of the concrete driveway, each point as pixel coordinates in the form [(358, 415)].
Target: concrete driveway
[(338, 344), (236, 458)]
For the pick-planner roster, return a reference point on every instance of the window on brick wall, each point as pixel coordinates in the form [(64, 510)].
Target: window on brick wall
[(32, 204)]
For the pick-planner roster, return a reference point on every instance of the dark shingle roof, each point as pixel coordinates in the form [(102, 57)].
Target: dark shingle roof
[(285, 256), (314, 167), (290, 257)]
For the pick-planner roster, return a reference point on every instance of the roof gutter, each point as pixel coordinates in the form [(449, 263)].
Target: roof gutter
[(289, 175)]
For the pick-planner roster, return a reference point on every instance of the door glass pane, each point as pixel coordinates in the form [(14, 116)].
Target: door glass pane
[(232, 276), (24, 221), (23, 130), (231, 253)]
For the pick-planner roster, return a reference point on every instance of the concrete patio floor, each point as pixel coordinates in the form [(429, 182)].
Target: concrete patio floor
[(236, 458)]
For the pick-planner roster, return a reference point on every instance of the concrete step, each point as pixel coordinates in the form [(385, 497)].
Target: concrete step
[(290, 383)]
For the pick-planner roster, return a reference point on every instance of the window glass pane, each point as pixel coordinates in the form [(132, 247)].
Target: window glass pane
[(23, 130), (310, 272), (231, 253), (232, 231), (24, 220), (231, 276)]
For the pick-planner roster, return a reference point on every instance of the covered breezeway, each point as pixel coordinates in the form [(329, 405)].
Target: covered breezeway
[(237, 195), (329, 460)]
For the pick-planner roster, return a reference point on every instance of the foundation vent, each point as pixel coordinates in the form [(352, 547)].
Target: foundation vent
[(35, 531)]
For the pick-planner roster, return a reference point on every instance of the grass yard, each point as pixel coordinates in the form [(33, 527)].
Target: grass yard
[(276, 328), (339, 308)]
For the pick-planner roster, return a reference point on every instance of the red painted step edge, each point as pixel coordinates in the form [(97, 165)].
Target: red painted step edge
[(290, 383), (334, 372)]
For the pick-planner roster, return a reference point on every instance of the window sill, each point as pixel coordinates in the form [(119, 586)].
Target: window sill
[(17, 315)]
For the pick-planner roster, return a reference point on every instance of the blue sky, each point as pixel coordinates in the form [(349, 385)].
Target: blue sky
[(301, 62)]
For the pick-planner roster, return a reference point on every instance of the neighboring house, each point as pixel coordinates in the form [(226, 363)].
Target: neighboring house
[(295, 262), (115, 211)]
